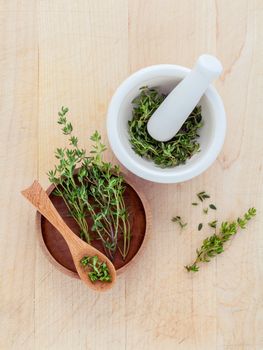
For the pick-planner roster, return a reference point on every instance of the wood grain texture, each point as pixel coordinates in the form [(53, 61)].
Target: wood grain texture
[(76, 53)]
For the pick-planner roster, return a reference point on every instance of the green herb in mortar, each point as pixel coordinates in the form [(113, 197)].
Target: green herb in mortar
[(97, 270), (214, 244), (164, 154)]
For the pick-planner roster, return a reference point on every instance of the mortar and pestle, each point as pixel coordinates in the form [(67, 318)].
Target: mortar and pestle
[(185, 89)]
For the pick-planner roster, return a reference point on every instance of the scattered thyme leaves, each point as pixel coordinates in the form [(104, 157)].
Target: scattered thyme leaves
[(164, 154), (179, 221), (214, 244), (202, 196), (200, 227), (98, 270), (194, 203), (212, 206), (205, 210)]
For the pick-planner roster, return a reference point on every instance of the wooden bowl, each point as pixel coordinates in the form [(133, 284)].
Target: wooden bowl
[(56, 249)]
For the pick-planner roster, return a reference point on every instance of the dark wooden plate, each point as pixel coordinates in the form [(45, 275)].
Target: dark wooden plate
[(56, 249)]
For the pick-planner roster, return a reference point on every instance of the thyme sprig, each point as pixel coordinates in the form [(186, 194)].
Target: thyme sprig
[(164, 154), (98, 270), (96, 190), (214, 244), (63, 176)]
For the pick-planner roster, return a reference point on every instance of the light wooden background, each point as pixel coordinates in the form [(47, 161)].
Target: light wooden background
[(76, 53)]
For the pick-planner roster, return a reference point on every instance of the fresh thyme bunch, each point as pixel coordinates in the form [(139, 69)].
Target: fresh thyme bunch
[(164, 154), (97, 190), (98, 270), (214, 244)]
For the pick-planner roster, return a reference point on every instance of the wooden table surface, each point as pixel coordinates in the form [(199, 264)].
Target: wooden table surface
[(76, 53)]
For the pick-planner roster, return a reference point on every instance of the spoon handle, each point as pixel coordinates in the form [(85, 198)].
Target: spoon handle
[(39, 198)]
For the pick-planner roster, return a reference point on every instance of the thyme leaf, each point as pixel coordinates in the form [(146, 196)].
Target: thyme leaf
[(179, 221), (213, 224), (202, 196)]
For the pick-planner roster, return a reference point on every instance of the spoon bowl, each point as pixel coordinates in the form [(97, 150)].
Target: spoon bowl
[(78, 248)]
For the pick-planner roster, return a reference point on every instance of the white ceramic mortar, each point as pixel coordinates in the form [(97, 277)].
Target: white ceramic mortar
[(164, 77)]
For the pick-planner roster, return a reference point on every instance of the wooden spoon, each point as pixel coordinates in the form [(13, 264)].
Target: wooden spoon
[(78, 248)]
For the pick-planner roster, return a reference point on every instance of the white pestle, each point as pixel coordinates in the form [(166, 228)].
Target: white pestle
[(167, 120)]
